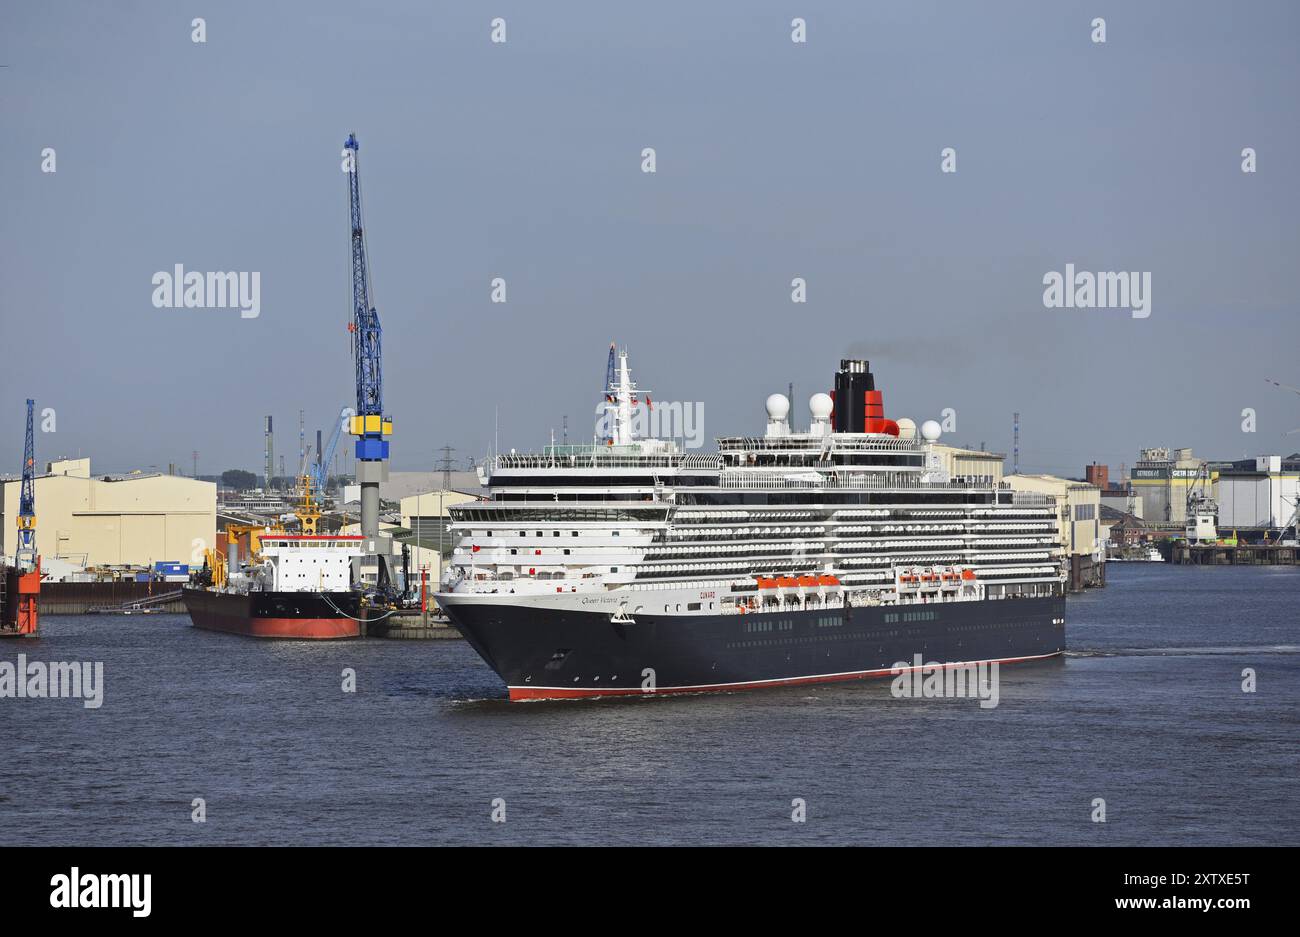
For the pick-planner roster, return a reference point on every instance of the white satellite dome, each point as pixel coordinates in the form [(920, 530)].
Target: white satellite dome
[(931, 431), (820, 406), (906, 428), (778, 407)]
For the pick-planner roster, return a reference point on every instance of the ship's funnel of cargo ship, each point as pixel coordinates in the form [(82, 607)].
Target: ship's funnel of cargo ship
[(859, 407)]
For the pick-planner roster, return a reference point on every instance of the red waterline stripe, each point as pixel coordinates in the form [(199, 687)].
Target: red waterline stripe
[(290, 628)]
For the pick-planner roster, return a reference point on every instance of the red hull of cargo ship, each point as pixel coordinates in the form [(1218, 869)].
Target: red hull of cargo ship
[(286, 615)]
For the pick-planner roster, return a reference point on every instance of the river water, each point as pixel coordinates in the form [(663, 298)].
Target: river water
[(1145, 712)]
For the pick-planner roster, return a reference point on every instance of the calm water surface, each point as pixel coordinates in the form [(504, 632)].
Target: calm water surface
[(1146, 711)]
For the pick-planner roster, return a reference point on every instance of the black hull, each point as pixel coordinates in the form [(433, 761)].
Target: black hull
[(286, 615), (543, 654)]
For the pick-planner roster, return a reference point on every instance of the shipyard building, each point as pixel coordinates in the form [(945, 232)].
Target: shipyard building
[(1258, 493), (973, 465), (123, 520)]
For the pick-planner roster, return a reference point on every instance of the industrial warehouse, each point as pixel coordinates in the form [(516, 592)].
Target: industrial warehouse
[(131, 520)]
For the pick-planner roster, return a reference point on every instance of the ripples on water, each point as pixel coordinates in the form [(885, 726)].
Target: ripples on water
[(1145, 711)]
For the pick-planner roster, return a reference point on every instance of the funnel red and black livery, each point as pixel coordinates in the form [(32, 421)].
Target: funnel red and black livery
[(291, 615), (859, 407)]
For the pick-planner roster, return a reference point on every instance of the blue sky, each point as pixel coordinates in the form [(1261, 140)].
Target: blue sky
[(775, 160)]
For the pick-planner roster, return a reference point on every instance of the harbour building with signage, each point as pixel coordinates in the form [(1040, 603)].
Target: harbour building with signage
[(1162, 478)]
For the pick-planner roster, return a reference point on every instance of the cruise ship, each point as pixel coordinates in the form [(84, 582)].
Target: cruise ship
[(631, 567)]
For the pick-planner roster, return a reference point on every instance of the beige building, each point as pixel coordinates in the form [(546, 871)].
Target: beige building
[(134, 520), (973, 464), (425, 512), (1078, 524)]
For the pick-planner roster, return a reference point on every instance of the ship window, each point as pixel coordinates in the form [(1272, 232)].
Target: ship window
[(614, 533), (567, 552), (692, 606), (575, 533), (613, 569)]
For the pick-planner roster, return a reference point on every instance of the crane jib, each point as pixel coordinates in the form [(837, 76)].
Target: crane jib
[(369, 423)]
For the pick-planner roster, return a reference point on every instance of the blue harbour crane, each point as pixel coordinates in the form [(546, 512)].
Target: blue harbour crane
[(366, 332), (25, 555), (320, 471), (369, 424), (313, 477)]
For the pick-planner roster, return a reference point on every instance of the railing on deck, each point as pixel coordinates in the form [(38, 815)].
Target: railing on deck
[(603, 460)]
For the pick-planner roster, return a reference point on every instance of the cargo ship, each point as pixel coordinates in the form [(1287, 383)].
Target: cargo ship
[(299, 587), (629, 567), (20, 592)]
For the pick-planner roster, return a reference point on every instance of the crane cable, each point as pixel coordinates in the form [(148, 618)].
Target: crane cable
[(330, 603)]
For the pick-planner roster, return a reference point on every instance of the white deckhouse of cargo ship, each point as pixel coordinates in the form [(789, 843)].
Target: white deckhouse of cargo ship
[(789, 557)]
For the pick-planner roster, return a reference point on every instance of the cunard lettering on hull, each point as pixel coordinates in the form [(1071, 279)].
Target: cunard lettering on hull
[(629, 567)]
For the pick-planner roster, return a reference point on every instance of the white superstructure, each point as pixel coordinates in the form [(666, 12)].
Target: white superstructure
[(295, 563), (778, 521)]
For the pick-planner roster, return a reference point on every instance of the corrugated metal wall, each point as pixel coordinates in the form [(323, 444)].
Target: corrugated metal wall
[(73, 598)]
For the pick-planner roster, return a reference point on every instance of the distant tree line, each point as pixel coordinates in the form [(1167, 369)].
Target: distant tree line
[(238, 479)]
